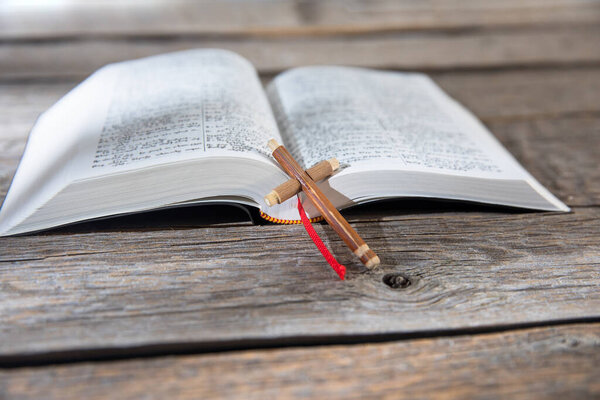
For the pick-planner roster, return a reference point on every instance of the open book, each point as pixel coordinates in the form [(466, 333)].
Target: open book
[(193, 127)]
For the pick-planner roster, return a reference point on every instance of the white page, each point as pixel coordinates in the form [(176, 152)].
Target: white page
[(143, 113), (184, 105), (54, 146), (375, 119)]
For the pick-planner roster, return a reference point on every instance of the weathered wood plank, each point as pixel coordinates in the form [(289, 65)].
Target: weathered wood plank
[(435, 51), (255, 17), (542, 363), (497, 96), (112, 288)]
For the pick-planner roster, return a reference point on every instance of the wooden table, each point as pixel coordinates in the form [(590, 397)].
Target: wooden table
[(180, 304)]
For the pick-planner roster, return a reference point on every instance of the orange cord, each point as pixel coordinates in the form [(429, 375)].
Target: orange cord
[(287, 221)]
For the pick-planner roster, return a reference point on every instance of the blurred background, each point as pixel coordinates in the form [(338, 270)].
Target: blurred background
[(71, 38)]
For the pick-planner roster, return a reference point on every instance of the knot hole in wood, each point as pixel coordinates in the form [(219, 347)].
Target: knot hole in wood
[(396, 281)]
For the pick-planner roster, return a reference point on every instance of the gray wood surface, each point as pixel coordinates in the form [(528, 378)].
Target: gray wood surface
[(542, 363), (285, 17), (501, 303), (436, 51), (109, 289)]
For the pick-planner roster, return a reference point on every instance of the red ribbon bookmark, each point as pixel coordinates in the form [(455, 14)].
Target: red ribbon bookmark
[(337, 267)]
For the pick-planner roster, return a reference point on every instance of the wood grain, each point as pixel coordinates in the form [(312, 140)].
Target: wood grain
[(522, 94), (435, 51), (283, 17), (542, 363), (109, 289)]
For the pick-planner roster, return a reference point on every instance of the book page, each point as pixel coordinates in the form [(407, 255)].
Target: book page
[(140, 114), (183, 105), (382, 120)]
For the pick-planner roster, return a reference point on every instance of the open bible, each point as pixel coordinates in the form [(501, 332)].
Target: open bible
[(193, 126)]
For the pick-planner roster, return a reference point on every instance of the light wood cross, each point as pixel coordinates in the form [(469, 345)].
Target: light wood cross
[(304, 181)]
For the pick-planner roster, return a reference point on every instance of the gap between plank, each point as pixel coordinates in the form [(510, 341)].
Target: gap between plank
[(198, 348), (268, 74), (333, 31)]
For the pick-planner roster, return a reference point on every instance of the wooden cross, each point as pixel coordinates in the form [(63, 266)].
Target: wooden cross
[(305, 181)]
